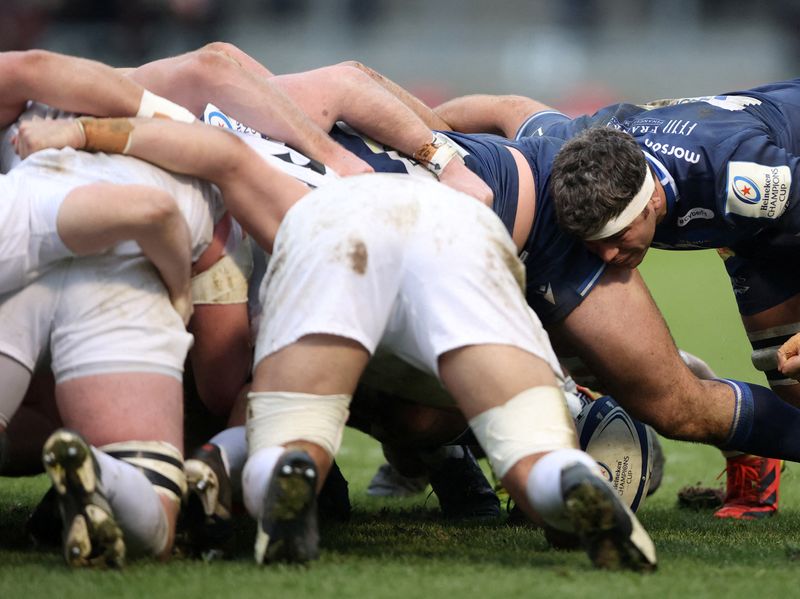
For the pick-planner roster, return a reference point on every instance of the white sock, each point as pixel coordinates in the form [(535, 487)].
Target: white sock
[(136, 505), (255, 476), (544, 484), (232, 443)]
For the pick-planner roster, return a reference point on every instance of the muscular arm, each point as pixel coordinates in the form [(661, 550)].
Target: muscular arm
[(95, 217), (299, 108), (347, 93), (480, 113), (244, 89), (66, 82), (422, 110)]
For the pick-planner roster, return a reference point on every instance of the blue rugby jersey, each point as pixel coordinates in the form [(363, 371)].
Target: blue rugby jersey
[(560, 271), (729, 168), (727, 162)]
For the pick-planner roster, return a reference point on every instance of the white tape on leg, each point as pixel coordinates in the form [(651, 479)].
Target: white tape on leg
[(160, 462), (278, 418), (534, 421)]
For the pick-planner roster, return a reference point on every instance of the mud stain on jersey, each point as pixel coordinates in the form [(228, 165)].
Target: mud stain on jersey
[(276, 264), (52, 162), (358, 256), (403, 216), (513, 264), (500, 263)]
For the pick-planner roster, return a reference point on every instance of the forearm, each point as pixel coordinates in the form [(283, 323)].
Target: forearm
[(66, 82), (203, 76), (93, 218), (481, 113), (422, 110)]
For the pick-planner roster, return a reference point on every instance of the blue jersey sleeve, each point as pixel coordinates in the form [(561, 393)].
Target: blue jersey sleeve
[(760, 183)]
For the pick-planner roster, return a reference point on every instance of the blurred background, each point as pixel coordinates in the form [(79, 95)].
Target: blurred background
[(575, 54)]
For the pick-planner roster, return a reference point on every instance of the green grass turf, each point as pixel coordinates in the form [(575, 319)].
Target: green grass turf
[(399, 548)]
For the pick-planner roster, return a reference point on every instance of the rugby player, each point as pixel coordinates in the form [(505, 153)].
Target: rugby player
[(343, 257), (241, 87), (696, 173), (117, 344), (117, 348)]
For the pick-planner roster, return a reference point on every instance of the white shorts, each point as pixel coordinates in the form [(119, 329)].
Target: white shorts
[(405, 263), (100, 315)]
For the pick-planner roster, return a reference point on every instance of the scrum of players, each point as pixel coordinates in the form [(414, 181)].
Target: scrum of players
[(429, 272)]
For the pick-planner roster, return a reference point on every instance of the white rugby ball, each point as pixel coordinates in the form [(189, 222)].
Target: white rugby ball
[(621, 445)]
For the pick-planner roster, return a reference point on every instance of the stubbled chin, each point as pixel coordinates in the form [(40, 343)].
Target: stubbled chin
[(629, 263)]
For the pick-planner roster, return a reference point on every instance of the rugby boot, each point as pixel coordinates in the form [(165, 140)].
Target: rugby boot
[(462, 488), (608, 530), (207, 513), (388, 482), (287, 528), (751, 489), (90, 535)]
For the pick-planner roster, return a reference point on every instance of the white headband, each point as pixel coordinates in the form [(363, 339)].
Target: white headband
[(631, 211)]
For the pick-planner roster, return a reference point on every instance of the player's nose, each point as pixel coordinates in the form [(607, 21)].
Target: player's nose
[(606, 251)]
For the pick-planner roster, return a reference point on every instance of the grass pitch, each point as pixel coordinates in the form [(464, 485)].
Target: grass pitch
[(399, 548)]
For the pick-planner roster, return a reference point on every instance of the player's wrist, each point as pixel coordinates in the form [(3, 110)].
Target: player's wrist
[(437, 154), (106, 135), (80, 142)]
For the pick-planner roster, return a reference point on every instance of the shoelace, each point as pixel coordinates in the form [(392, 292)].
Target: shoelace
[(743, 480)]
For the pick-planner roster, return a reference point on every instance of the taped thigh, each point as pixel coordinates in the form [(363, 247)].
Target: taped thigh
[(277, 418), (226, 281), (160, 462), (534, 421)]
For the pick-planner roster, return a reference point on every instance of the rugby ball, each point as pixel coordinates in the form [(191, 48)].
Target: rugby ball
[(622, 447)]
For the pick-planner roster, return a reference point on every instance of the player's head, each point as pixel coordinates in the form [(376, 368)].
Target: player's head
[(603, 192)]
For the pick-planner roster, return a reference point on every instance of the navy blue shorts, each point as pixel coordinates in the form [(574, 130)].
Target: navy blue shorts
[(763, 271)]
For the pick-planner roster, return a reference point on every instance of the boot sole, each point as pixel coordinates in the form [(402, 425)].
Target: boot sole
[(91, 537)]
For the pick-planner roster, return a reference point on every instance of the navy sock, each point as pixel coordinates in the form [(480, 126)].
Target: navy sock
[(763, 424)]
